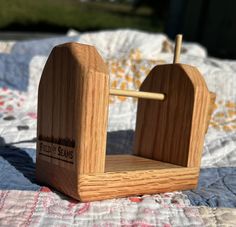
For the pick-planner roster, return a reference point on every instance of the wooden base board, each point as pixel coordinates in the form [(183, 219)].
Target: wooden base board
[(121, 163), (127, 175)]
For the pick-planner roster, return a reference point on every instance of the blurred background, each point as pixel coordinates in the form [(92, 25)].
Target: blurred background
[(211, 23)]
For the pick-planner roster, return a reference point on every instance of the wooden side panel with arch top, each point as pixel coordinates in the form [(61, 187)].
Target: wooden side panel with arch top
[(72, 116), (173, 130)]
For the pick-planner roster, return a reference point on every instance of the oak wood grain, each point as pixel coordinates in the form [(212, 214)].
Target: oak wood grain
[(173, 130), (72, 115), (117, 163), (72, 122), (138, 177)]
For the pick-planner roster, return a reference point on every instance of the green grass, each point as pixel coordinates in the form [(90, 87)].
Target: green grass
[(59, 15)]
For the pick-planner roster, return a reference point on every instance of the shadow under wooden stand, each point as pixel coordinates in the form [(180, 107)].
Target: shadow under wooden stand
[(172, 117)]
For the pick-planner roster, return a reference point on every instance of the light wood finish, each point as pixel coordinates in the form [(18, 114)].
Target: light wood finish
[(173, 130), (119, 163), (63, 179), (178, 44), (138, 177), (120, 184), (72, 115), (137, 94), (72, 121)]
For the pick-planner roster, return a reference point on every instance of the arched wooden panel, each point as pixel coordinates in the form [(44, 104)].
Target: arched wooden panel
[(173, 130), (72, 115)]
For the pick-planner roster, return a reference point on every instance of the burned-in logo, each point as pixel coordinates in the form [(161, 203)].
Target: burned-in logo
[(59, 149)]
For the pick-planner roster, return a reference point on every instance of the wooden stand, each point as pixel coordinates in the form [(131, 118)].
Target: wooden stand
[(72, 122)]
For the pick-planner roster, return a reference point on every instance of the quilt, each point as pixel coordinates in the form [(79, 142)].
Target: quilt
[(130, 55)]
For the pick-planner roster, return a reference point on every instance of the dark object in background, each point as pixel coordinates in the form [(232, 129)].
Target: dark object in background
[(159, 7), (209, 22)]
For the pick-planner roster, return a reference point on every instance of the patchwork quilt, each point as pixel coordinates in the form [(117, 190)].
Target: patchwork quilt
[(130, 55)]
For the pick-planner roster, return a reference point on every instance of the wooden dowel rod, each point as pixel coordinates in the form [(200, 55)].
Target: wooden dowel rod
[(178, 44), (137, 94)]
